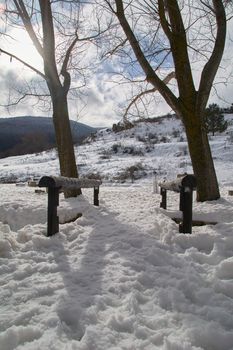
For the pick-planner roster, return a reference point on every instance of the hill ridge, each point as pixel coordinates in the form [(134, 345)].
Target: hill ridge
[(28, 134)]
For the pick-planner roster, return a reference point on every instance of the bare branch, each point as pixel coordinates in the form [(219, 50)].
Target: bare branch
[(64, 72), (19, 4), (143, 93), (115, 49), (211, 67), (23, 62), (163, 20), (21, 98), (151, 76)]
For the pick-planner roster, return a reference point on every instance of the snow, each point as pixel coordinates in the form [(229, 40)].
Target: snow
[(120, 276)]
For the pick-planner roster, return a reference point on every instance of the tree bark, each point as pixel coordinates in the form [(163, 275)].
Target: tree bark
[(190, 103), (58, 92), (64, 139), (201, 157), (56, 71)]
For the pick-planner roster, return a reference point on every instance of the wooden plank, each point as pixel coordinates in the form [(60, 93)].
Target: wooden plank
[(177, 184), (68, 183), (195, 222)]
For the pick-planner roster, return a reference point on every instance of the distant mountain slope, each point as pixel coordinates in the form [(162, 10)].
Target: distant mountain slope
[(26, 134)]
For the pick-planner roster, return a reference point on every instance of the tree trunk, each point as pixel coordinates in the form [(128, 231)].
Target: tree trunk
[(64, 139), (201, 157)]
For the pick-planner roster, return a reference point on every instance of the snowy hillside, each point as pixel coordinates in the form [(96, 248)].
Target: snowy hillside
[(147, 147), (120, 277)]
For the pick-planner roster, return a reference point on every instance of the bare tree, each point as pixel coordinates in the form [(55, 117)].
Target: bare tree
[(55, 29), (189, 37)]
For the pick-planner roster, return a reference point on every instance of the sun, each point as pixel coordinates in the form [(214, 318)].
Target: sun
[(18, 44)]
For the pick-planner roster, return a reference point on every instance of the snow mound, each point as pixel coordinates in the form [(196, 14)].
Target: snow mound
[(119, 277)]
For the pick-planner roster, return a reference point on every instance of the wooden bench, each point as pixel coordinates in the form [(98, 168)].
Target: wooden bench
[(57, 184), (185, 185)]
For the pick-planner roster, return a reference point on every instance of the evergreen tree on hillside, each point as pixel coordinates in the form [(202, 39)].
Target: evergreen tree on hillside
[(214, 119)]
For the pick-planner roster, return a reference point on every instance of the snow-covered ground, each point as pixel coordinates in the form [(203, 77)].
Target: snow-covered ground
[(120, 276)]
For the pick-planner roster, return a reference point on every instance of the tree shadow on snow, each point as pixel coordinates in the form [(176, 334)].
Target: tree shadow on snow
[(119, 266), (107, 264)]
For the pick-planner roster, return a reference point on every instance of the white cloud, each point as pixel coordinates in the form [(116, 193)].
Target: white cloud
[(102, 98)]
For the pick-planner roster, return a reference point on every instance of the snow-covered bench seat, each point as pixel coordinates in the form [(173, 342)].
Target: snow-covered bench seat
[(56, 184)]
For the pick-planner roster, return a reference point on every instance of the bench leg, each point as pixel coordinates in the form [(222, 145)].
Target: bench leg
[(163, 203), (187, 209), (96, 196), (52, 219)]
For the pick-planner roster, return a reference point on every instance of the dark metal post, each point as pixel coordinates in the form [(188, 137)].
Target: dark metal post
[(96, 195), (163, 203), (181, 199), (186, 207), (53, 202)]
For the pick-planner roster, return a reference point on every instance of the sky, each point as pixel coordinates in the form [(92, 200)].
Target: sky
[(103, 100)]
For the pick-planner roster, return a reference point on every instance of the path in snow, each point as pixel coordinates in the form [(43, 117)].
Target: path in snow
[(120, 277)]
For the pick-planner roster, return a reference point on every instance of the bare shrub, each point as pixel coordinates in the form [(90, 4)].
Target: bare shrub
[(134, 151), (94, 175), (176, 133), (115, 147), (132, 172), (164, 139)]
